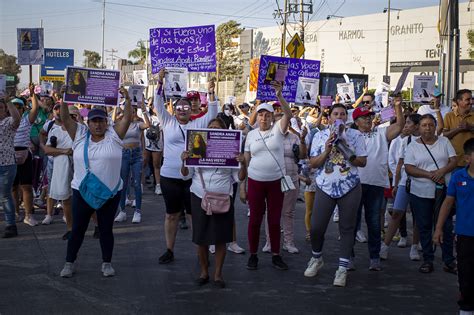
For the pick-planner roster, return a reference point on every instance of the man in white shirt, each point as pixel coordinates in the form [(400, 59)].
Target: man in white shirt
[(435, 107)]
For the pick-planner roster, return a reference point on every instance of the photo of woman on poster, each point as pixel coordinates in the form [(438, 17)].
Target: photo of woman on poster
[(198, 146), (77, 84)]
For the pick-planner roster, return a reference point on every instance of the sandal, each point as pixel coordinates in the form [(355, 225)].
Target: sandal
[(426, 268)]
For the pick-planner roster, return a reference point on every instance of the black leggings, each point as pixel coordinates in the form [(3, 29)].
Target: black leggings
[(81, 214)]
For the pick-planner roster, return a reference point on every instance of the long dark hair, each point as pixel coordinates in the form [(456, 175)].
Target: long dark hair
[(201, 150), (219, 121)]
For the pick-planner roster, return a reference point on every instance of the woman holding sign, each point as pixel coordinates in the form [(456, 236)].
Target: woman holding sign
[(215, 229), (266, 175), (97, 159)]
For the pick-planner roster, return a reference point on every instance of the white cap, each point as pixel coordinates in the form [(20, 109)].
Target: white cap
[(265, 106)]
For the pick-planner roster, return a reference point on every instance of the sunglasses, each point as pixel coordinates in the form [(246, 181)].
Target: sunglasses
[(183, 107)]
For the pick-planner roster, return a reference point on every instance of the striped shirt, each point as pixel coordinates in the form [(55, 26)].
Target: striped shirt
[(22, 137)]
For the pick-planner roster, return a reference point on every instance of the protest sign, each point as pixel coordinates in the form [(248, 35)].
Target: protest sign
[(325, 101), (346, 92), (3, 85), (253, 77), (92, 86), (46, 89), (307, 91), (386, 114), (203, 98), (55, 63), (402, 80), (423, 88), (140, 77), (381, 96), (30, 46), (136, 94), (231, 100), (191, 47), (213, 147), (295, 68), (176, 82)]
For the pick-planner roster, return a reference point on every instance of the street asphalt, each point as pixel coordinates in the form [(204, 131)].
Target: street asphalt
[(30, 282)]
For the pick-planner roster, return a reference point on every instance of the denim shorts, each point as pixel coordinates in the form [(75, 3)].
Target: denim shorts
[(401, 200)]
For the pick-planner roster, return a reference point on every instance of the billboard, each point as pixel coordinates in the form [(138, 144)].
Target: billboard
[(56, 60)]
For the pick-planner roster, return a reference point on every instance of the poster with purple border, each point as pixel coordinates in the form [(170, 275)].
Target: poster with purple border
[(296, 68), (186, 47), (213, 147), (92, 86)]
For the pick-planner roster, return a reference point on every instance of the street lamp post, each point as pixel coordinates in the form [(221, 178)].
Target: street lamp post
[(387, 52)]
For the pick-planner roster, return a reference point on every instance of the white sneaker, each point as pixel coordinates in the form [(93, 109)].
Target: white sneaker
[(414, 255), (68, 270), (108, 270), (30, 220), (137, 217), (267, 248), (121, 216), (314, 265), (360, 237), (128, 202), (235, 248), (158, 190), (402, 243), (248, 212), (290, 248), (134, 203), (335, 218), (47, 220), (212, 249), (383, 251), (340, 277)]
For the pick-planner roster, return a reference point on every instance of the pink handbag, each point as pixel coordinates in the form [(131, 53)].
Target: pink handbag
[(212, 202)]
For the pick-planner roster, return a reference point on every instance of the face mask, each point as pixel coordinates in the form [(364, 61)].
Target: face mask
[(227, 112)]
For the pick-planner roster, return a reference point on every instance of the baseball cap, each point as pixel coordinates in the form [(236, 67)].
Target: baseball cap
[(277, 104), (361, 112), (265, 106), (193, 94), (437, 93), (18, 101), (96, 113)]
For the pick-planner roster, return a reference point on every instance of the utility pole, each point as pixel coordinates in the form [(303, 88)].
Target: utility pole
[(103, 31), (283, 35), (112, 56)]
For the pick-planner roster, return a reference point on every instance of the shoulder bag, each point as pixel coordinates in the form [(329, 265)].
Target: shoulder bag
[(408, 182), (93, 191), (213, 202)]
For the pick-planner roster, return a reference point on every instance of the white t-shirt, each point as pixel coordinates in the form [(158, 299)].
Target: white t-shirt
[(376, 171), (402, 153), (418, 156), (426, 109), (265, 166), (105, 158), (174, 135), (394, 155), (219, 180)]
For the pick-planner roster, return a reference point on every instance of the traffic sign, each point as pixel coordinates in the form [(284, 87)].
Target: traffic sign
[(295, 47)]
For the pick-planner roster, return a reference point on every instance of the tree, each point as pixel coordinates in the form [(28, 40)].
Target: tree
[(261, 45), (139, 53), (470, 38), (228, 56), (92, 59), (9, 67)]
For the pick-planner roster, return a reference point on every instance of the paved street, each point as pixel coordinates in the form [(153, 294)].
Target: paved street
[(30, 284)]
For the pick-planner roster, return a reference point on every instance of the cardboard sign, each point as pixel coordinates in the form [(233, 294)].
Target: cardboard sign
[(307, 91), (213, 147), (30, 46), (92, 86), (176, 82), (136, 94), (295, 68), (55, 63), (423, 88), (193, 48), (346, 92), (140, 77)]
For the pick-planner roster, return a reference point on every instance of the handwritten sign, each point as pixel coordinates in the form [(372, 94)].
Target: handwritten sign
[(187, 47), (296, 68)]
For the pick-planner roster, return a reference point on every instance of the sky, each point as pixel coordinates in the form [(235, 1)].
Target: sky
[(76, 24)]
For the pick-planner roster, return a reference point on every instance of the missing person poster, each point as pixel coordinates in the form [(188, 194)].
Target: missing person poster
[(135, 92), (213, 147), (46, 88), (346, 92), (423, 88), (307, 91), (140, 77), (30, 46), (176, 82), (92, 86)]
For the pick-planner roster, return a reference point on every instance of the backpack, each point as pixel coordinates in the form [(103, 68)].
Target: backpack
[(153, 133)]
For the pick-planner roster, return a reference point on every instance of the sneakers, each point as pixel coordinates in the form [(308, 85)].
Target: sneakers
[(383, 251), (121, 217), (360, 237), (375, 265), (30, 221), (267, 248), (340, 277), (451, 268), (128, 202), (96, 234), (414, 255), (314, 265), (68, 270), (167, 257), (47, 220), (158, 190), (235, 248), (10, 231), (212, 249), (137, 217), (402, 243), (134, 202), (290, 248), (107, 270), (252, 263), (278, 263)]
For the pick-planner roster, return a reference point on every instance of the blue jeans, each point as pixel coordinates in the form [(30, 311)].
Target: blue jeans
[(423, 209), (132, 160), (7, 176), (372, 200)]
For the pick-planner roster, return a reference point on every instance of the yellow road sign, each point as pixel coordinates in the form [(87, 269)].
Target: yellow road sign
[(295, 47)]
